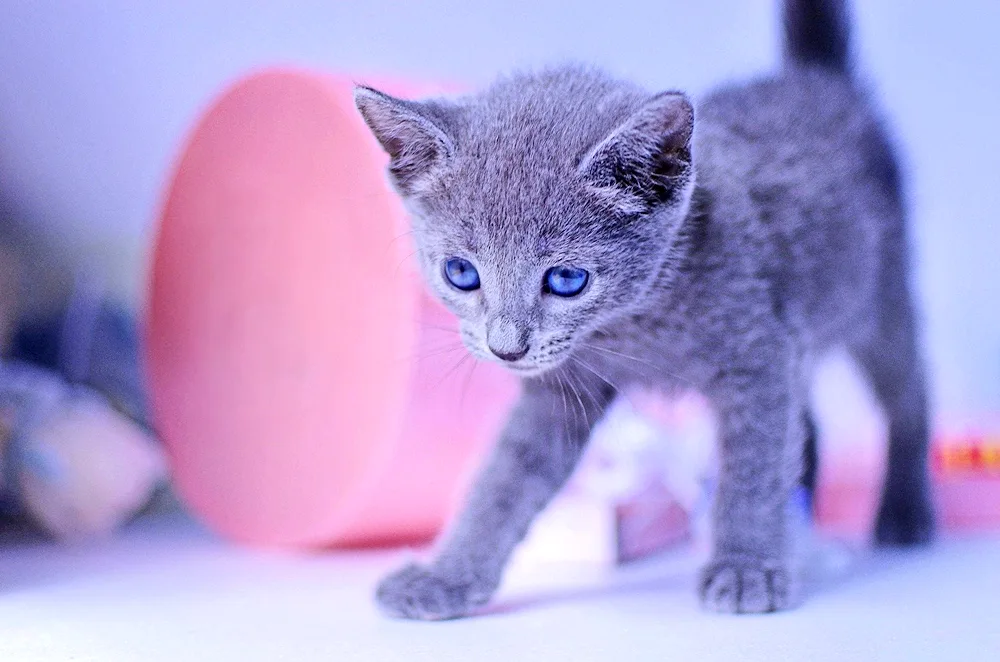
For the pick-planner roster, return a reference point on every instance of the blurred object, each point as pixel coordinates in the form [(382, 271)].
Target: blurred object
[(969, 455), (851, 438), (63, 318), (642, 488), (645, 484), (308, 392), (967, 477), (36, 273), (77, 459), (90, 341), (73, 463), (9, 284), (599, 529)]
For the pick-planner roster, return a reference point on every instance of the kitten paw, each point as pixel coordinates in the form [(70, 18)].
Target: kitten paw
[(418, 593), (905, 523), (746, 586)]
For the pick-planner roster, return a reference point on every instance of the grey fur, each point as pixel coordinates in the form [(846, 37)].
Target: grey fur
[(725, 261)]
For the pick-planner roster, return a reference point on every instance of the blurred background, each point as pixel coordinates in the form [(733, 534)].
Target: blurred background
[(96, 97)]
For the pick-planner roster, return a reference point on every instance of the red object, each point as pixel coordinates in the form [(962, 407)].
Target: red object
[(965, 472), (970, 455)]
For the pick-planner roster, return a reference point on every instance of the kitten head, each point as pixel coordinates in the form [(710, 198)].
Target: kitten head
[(543, 208)]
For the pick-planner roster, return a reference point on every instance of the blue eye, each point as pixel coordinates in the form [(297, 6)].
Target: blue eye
[(461, 274), (565, 281)]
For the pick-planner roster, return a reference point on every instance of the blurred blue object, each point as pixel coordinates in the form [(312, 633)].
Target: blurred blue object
[(92, 341)]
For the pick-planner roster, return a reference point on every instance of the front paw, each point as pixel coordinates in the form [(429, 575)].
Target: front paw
[(746, 585), (417, 592)]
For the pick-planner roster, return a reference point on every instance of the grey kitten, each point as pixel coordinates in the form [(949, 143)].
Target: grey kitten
[(591, 236)]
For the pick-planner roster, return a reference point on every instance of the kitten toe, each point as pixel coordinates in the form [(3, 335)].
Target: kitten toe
[(746, 586), (415, 592)]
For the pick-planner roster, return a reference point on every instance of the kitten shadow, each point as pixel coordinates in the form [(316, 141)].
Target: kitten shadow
[(677, 582), (865, 564), (861, 565)]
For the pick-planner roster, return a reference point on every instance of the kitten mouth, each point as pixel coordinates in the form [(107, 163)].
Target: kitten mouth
[(524, 370), (521, 367), (530, 370)]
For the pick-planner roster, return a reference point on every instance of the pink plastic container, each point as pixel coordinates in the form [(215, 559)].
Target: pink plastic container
[(302, 381)]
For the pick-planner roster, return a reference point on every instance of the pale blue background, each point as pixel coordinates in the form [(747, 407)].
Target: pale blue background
[(95, 97)]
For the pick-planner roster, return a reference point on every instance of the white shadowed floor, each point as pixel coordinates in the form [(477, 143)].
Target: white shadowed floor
[(166, 591)]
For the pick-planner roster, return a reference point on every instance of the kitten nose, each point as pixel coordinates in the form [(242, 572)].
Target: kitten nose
[(509, 356), (506, 338)]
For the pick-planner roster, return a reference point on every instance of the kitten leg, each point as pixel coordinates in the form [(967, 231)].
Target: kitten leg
[(761, 435), (536, 453), (891, 361), (810, 458)]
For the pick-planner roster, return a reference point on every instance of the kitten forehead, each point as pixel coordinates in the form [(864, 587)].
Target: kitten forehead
[(518, 144), (548, 118)]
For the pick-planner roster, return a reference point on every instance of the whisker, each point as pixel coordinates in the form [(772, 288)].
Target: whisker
[(620, 354), (438, 327), (576, 414), (595, 372), (451, 370), (617, 389), (583, 409), (590, 394), (421, 355), (566, 439), (574, 439), (545, 378), (404, 260), (653, 366), (465, 383), (398, 237), (447, 342)]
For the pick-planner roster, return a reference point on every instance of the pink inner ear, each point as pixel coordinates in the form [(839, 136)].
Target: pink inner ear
[(284, 318)]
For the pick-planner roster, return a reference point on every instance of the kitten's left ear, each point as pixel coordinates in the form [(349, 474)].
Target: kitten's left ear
[(410, 132), (645, 162)]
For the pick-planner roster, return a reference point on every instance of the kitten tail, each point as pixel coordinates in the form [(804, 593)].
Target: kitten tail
[(817, 32)]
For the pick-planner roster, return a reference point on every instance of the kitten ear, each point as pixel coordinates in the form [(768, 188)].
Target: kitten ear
[(416, 145), (645, 162)]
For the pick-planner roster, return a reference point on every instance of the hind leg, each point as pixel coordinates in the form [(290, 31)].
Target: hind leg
[(892, 363), (810, 459)]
